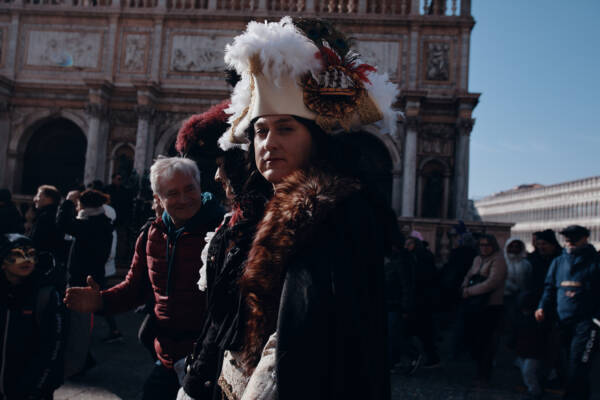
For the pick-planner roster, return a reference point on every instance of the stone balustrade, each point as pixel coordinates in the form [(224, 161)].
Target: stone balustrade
[(380, 8)]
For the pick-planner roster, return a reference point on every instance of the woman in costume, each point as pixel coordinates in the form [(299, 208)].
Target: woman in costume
[(314, 312), (226, 250)]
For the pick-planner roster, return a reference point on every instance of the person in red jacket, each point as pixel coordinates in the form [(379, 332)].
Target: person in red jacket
[(164, 266)]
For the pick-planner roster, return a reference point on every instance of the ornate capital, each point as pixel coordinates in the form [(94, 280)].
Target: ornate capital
[(145, 112), (412, 123), (465, 125), (96, 110)]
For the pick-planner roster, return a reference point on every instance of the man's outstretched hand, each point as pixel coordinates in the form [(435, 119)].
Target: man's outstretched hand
[(84, 299)]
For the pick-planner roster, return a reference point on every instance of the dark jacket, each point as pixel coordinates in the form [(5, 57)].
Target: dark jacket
[(33, 332), (46, 235), (400, 282), (572, 286), (222, 330), (539, 268), (91, 248), (11, 220), (321, 233), (179, 305)]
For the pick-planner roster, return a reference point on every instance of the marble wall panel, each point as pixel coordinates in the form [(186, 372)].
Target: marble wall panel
[(382, 54), (63, 49), (195, 53)]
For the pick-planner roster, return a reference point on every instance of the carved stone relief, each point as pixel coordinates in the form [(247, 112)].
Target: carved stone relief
[(135, 53), (383, 55), (123, 134), (64, 49), (438, 130), (438, 61), (435, 146), (194, 53)]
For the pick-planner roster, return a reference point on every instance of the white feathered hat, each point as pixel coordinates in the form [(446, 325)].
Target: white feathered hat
[(305, 69)]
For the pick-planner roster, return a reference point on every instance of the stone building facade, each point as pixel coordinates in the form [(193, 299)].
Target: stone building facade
[(535, 207), (87, 86)]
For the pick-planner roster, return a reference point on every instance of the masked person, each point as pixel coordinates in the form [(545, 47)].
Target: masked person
[(571, 290), (32, 320), (313, 283)]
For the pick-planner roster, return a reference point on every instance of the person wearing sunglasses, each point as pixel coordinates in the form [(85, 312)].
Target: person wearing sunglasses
[(32, 324)]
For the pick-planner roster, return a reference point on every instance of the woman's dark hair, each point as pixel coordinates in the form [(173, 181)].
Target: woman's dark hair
[(491, 240), (92, 198)]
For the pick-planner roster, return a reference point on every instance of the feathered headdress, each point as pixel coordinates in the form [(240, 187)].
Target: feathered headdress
[(306, 69)]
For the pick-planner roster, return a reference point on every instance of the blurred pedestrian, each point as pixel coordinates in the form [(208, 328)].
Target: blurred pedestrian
[(426, 288), (546, 250), (571, 290), (518, 278), (32, 317), (483, 294), (11, 220), (45, 233), (530, 342)]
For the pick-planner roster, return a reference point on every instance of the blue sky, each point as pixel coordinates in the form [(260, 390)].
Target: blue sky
[(537, 65)]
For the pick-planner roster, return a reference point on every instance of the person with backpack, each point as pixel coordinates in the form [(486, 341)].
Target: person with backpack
[(32, 324)]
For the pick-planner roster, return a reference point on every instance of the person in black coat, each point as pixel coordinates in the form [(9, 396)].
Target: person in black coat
[(92, 231), (11, 220), (45, 234), (32, 324)]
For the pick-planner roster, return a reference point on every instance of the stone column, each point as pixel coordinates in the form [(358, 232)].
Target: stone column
[(11, 54), (465, 8), (397, 191), (461, 169), (446, 199), (413, 61), (414, 7), (157, 47), (465, 40), (4, 139), (409, 168), (97, 138), (143, 142), (111, 51)]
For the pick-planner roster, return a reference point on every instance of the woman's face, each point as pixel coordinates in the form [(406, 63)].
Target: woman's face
[(485, 247), (282, 145), (221, 177)]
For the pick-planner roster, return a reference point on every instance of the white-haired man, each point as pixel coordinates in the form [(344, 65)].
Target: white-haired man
[(165, 266)]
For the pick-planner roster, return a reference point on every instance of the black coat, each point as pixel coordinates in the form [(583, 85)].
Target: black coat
[(91, 248), (222, 331), (322, 233), (35, 337), (400, 282), (46, 235), (11, 220)]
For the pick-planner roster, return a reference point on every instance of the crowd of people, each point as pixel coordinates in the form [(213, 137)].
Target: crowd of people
[(299, 285)]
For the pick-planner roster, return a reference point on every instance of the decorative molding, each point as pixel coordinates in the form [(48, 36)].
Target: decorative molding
[(438, 62), (99, 111), (145, 112), (194, 53), (436, 146), (412, 123), (438, 130), (123, 117), (384, 54), (135, 50), (64, 50), (465, 125)]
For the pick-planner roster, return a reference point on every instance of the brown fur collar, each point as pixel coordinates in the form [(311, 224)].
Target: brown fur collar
[(301, 202)]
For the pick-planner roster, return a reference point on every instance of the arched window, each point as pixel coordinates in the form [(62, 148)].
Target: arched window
[(55, 155)]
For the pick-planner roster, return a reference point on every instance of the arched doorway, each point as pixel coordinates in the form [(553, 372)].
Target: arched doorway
[(433, 190), (373, 163), (55, 155), (123, 161)]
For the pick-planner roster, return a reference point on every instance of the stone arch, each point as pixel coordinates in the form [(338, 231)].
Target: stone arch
[(25, 128), (119, 149), (166, 139), (433, 188), (55, 154)]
